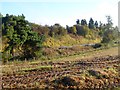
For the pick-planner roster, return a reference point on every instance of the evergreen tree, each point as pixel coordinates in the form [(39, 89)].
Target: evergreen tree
[(91, 24), (78, 22), (109, 22), (108, 35), (83, 22), (20, 37), (96, 24)]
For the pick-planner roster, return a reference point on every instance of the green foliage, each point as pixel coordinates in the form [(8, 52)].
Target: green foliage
[(57, 30), (32, 46), (109, 33), (62, 31), (109, 22), (82, 30), (25, 39), (73, 30), (48, 30), (21, 38), (54, 30), (108, 36)]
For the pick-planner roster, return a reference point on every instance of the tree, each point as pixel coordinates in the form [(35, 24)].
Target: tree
[(109, 22), (56, 30), (78, 22), (108, 35), (33, 45), (116, 33), (53, 31), (82, 30), (100, 25), (96, 24), (83, 22), (91, 24), (68, 28), (73, 30), (20, 37), (45, 30), (62, 31), (42, 30)]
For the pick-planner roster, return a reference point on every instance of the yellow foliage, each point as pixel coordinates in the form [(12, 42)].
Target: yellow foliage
[(68, 41)]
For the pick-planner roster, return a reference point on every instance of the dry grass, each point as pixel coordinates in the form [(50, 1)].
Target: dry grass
[(19, 65)]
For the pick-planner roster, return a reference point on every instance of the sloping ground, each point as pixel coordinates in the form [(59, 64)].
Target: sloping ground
[(69, 40), (96, 72)]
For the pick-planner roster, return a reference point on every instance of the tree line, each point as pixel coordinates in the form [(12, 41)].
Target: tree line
[(81, 28), (24, 39)]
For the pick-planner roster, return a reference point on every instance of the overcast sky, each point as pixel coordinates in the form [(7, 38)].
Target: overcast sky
[(64, 12)]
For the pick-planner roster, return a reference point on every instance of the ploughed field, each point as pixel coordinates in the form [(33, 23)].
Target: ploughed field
[(94, 72)]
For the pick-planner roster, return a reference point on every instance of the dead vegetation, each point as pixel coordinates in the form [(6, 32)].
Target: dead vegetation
[(95, 72)]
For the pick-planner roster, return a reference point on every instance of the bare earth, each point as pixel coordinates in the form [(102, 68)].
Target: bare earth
[(98, 69)]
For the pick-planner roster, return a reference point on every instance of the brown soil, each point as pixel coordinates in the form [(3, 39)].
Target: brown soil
[(101, 71)]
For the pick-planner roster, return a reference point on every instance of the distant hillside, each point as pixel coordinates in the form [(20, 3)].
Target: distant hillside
[(69, 40)]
